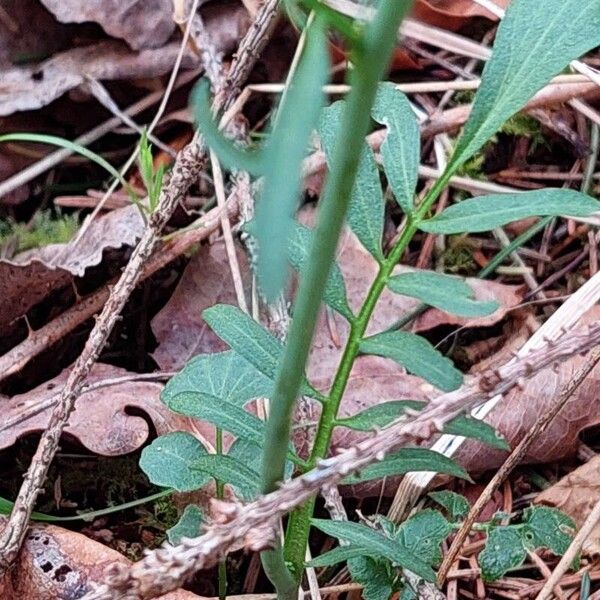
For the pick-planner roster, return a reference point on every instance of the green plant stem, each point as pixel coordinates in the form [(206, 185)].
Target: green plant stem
[(299, 523), (222, 568), (370, 65)]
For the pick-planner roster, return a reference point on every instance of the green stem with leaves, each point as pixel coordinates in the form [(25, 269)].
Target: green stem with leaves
[(372, 58)]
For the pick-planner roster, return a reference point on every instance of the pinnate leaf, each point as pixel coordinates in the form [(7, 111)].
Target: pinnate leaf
[(535, 41), (375, 576), (448, 293), (337, 555), (367, 204), (417, 355), (400, 151), (487, 212), (545, 527), (168, 461)]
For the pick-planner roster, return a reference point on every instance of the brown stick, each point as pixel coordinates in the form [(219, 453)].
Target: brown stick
[(187, 168), (515, 457), (168, 568)]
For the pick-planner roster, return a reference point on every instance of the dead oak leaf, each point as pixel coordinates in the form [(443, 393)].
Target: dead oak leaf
[(100, 420), (55, 563)]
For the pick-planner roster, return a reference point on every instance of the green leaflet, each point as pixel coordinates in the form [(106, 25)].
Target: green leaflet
[(224, 415), (335, 290), (296, 118), (535, 41), (422, 535), (376, 576), (545, 527), (456, 505), (406, 460), (189, 524), (249, 339), (448, 293), (379, 415), (375, 543), (400, 151), (229, 470), (476, 429), (168, 461), (337, 555), (367, 204), (495, 210), (220, 377), (417, 355), (503, 551)]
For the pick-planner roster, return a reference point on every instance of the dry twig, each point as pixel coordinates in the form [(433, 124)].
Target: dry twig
[(168, 568)]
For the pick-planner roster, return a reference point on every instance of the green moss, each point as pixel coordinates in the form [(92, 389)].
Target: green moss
[(43, 229), (458, 258)]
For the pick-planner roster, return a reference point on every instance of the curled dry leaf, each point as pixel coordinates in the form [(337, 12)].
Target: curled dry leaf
[(31, 276), (576, 494), (55, 564), (34, 86), (100, 420), (519, 410)]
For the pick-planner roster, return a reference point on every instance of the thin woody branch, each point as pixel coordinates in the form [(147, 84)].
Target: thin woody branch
[(169, 567), (186, 170)]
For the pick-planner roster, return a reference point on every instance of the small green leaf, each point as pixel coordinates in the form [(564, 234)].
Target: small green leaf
[(400, 150), (374, 575), (503, 551), (367, 204), (335, 289), (225, 415), (545, 527), (224, 376), (456, 505), (249, 339), (448, 293), (337, 555), (229, 154), (417, 355), (251, 455), (476, 429), (535, 41), (422, 535), (229, 470), (407, 460), (296, 118), (375, 543), (189, 525), (379, 415), (168, 462), (487, 212)]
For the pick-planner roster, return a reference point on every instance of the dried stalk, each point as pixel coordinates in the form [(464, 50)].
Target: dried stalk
[(169, 567), (186, 170)]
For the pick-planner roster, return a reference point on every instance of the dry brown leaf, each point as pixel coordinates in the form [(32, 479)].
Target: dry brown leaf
[(178, 327), (576, 494), (31, 276), (57, 564), (100, 420), (142, 24), (452, 14), (519, 410), (34, 86)]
